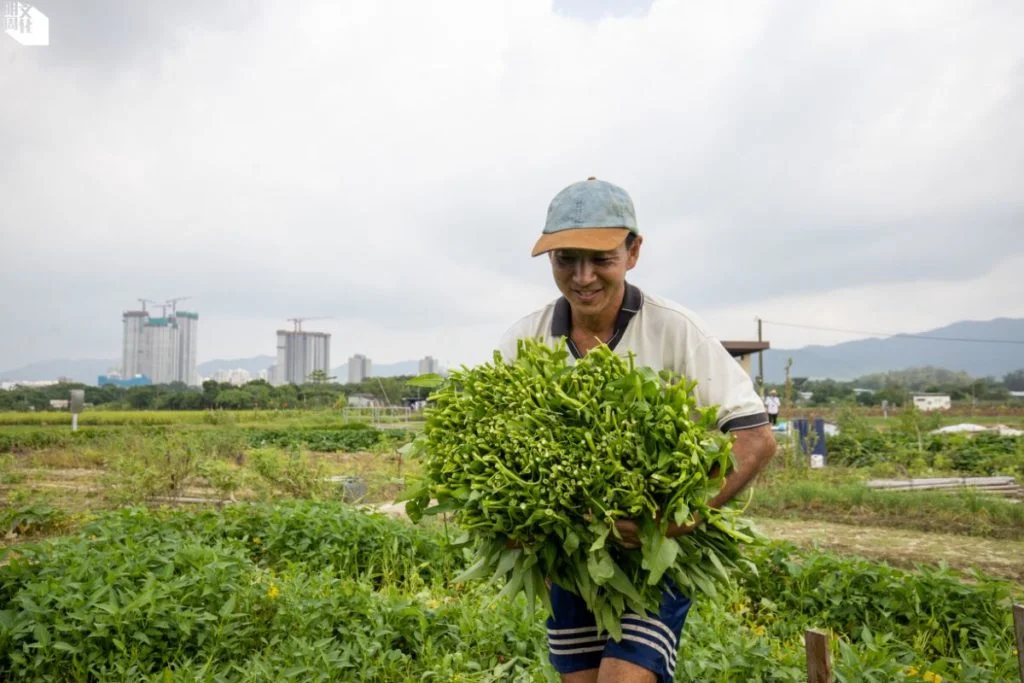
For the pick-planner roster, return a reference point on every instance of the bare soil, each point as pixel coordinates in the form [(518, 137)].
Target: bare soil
[(903, 547)]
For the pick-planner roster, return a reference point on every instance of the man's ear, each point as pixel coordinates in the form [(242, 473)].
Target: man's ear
[(633, 255)]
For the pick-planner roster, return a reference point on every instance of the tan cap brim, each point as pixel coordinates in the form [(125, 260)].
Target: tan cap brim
[(593, 239)]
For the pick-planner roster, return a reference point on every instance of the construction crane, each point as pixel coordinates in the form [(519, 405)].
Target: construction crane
[(146, 301), (173, 303), (298, 321)]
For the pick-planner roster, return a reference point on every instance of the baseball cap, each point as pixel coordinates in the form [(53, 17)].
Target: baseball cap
[(590, 214)]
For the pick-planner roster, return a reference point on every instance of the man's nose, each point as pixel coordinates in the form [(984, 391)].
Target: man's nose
[(584, 272)]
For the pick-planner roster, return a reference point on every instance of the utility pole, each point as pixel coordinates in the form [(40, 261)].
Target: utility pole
[(760, 361), (789, 385)]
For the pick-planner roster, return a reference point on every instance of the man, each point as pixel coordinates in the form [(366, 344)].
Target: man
[(772, 403), (592, 241)]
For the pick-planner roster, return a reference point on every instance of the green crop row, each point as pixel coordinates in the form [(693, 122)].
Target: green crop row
[(978, 454), (325, 440), (321, 591), (124, 417), (349, 438)]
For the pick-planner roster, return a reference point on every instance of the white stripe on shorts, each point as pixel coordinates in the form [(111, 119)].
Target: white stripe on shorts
[(653, 622), (571, 631), (653, 635), (575, 641), (577, 650), (670, 664)]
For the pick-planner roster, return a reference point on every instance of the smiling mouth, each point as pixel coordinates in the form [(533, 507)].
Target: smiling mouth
[(587, 295)]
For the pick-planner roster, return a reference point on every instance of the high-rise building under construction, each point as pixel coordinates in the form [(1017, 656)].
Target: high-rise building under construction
[(161, 349), (300, 354)]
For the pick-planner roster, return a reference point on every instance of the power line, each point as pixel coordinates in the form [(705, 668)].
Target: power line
[(898, 334)]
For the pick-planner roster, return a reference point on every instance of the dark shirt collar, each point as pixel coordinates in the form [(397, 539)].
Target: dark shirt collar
[(561, 321)]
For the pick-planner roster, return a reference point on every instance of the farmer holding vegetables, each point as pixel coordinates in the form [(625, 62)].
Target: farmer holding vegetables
[(592, 241)]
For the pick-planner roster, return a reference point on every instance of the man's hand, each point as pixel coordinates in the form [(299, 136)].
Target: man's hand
[(629, 531)]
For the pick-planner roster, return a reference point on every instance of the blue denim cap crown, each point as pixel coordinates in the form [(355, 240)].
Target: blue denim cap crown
[(591, 203)]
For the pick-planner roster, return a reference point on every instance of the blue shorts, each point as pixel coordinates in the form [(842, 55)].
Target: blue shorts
[(649, 641)]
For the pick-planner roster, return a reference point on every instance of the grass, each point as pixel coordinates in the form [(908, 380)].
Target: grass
[(968, 513)]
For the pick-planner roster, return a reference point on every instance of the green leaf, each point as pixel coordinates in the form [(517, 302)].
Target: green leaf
[(602, 535), (446, 506), (508, 560), (600, 566), (622, 584), (477, 570), (571, 543), (659, 553), (228, 607), (530, 587), (713, 556)]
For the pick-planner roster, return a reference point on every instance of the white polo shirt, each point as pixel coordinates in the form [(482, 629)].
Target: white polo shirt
[(662, 335)]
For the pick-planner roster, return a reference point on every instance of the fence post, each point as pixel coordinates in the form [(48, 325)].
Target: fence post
[(819, 670), (1018, 625)]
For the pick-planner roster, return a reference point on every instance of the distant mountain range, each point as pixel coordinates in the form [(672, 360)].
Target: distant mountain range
[(845, 361), (84, 370), (850, 360)]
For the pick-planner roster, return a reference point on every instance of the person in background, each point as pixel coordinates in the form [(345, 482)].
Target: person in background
[(772, 404)]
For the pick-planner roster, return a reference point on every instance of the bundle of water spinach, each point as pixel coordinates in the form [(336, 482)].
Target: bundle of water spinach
[(537, 458)]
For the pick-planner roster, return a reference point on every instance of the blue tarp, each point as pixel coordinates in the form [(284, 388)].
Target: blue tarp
[(801, 425)]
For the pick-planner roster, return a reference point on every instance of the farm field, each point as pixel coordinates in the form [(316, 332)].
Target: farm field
[(901, 547), (208, 547)]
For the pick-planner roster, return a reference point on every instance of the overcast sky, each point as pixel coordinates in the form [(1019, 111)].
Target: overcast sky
[(389, 164)]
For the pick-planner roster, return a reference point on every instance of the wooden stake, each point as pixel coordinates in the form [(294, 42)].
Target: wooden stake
[(1018, 624), (819, 670)]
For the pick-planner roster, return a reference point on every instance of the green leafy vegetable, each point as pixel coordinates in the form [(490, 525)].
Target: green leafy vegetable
[(539, 457)]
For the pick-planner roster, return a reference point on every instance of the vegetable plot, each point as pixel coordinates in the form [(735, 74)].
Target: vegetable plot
[(539, 458)]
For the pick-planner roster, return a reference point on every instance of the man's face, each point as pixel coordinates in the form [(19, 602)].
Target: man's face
[(592, 280)]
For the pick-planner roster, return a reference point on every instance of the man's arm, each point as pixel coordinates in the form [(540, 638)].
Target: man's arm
[(753, 450)]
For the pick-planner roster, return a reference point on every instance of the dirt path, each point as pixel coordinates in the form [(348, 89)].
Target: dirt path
[(903, 547)]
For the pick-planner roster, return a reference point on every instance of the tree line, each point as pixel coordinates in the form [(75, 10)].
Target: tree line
[(895, 387), (898, 387), (257, 394)]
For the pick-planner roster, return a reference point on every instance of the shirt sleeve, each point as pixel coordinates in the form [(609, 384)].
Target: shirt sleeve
[(722, 382)]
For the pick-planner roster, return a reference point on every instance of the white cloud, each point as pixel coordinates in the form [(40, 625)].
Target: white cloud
[(911, 307), (389, 164)]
